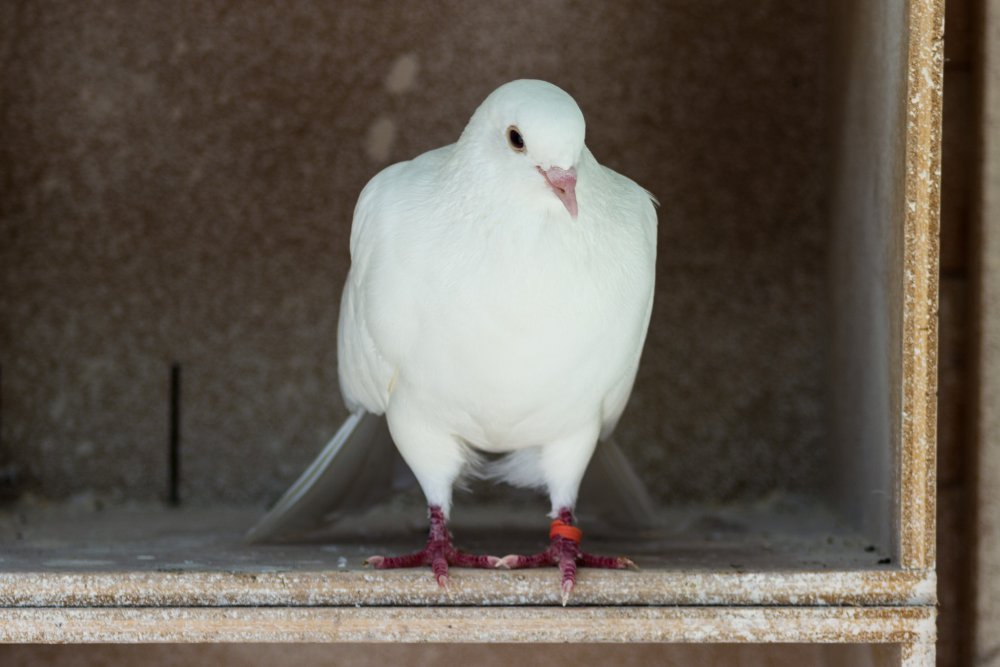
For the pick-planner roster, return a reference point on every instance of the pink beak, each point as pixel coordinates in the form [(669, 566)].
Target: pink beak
[(563, 183)]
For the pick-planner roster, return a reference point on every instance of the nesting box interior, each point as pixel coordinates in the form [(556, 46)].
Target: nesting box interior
[(178, 186)]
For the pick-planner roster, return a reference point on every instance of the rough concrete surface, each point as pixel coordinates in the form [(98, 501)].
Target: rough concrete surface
[(177, 184), (987, 421)]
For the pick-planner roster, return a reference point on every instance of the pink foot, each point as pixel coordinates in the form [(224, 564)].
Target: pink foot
[(439, 553), (565, 552)]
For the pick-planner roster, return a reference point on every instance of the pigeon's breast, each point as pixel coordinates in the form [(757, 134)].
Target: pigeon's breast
[(518, 342)]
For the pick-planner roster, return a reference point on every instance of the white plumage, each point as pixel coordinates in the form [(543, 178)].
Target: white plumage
[(499, 295), (479, 313)]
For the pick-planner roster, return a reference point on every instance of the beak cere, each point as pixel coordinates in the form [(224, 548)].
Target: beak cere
[(563, 184)]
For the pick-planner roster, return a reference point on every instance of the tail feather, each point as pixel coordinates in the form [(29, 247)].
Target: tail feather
[(355, 470), (614, 491)]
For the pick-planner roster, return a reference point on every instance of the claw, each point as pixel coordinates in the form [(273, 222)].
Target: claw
[(567, 588), (627, 564), (374, 561), (495, 562)]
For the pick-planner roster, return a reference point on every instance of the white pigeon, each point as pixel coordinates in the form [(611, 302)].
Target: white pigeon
[(498, 299)]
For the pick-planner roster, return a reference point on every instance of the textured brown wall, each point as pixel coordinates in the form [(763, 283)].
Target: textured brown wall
[(178, 180), (983, 468)]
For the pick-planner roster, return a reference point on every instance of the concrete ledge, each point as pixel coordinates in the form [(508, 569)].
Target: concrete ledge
[(896, 625)]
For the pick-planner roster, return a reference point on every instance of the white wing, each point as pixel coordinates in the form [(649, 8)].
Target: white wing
[(376, 306), (638, 207), (364, 372)]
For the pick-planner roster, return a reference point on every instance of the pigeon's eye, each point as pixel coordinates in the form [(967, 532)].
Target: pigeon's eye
[(515, 139)]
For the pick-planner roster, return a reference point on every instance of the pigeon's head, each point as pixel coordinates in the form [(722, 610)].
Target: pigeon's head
[(533, 132)]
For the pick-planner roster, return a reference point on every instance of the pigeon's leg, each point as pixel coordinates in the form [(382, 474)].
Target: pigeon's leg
[(565, 553), (436, 461), (563, 464), (439, 552)]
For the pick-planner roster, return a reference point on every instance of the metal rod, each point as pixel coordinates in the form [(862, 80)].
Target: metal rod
[(174, 441)]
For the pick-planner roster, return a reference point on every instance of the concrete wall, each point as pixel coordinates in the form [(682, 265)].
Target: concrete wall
[(986, 422), (177, 184)]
